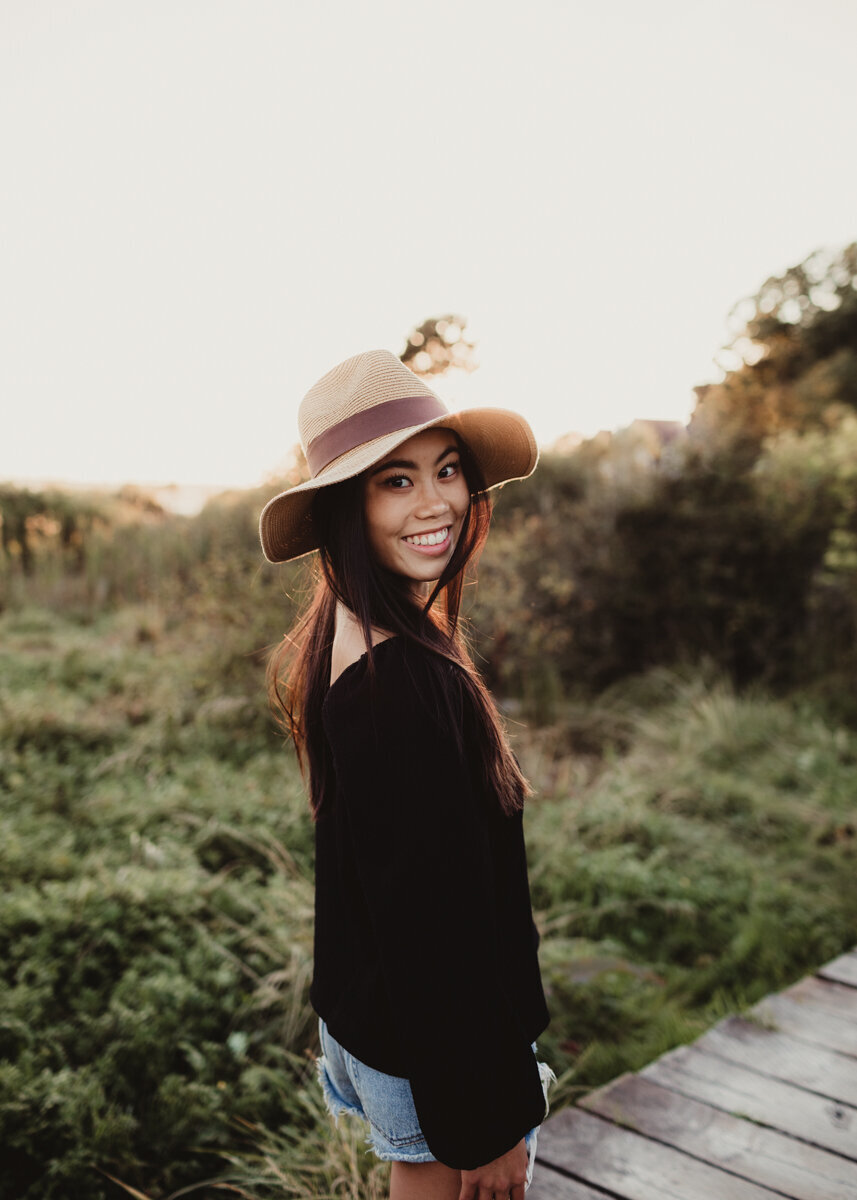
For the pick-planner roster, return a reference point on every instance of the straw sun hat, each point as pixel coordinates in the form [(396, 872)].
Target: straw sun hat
[(360, 411)]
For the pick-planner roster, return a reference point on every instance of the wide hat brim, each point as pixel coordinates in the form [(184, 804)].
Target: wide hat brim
[(501, 441)]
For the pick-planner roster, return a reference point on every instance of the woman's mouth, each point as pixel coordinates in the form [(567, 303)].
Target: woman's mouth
[(435, 542)]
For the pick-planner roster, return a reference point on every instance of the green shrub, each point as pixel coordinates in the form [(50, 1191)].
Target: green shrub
[(691, 848)]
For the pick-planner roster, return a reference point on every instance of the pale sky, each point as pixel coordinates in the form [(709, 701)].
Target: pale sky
[(206, 204)]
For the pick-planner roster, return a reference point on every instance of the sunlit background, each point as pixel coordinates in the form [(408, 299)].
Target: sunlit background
[(208, 203)]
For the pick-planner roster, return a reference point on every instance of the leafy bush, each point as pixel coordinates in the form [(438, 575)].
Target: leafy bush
[(155, 931), (690, 849), (703, 863)]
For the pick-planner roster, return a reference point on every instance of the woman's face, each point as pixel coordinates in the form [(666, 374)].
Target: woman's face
[(414, 501)]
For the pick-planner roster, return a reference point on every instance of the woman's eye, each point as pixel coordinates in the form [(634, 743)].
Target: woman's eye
[(448, 470), (396, 481)]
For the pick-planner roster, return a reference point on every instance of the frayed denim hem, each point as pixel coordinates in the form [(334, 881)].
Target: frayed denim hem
[(423, 1156), (337, 1106), (547, 1077), (378, 1143)]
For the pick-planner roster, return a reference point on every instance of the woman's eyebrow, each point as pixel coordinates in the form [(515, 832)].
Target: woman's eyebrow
[(404, 464), (401, 463)]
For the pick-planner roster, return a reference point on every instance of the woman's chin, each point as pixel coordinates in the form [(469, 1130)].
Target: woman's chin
[(422, 568), (423, 579)]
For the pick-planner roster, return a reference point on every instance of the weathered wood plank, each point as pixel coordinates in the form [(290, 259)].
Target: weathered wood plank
[(841, 970), (783, 1057), (738, 1090), (763, 1156), (836, 998), (631, 1166), (811, 1025), (550, 1185), (746, 1113)]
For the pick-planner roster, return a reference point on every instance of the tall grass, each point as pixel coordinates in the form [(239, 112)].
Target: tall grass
[(704, 858), (690, 849)]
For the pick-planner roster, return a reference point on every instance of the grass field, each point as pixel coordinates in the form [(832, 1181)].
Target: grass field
[(690, 850)]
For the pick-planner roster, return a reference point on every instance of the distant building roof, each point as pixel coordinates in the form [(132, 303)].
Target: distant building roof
[(566, 442), (664, 431)]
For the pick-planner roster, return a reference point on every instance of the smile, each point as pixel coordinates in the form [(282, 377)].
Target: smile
[(436, 541)]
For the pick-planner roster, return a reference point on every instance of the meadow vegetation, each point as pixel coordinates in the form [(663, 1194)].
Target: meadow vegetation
[(670, 632)]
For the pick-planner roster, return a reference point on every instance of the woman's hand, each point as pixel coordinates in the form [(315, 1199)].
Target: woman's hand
[(503, 1177)]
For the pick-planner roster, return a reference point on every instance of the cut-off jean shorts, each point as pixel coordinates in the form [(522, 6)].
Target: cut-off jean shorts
[(386, 1103)]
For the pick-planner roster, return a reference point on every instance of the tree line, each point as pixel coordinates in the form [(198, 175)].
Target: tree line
[(734, 540)]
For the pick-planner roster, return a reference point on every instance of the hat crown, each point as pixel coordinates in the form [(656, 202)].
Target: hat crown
[(354, 386)]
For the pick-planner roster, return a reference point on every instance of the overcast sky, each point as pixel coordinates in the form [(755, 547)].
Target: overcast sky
[(206, 204)]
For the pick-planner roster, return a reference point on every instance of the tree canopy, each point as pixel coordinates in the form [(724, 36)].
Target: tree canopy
[(792, 360), (438, 345)]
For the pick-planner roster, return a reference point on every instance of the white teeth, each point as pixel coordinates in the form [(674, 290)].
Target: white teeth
[(429, 539)]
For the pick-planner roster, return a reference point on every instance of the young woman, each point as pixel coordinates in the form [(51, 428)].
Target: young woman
[(426, 978)]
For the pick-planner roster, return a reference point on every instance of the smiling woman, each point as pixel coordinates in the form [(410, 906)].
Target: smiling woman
[(415, 502), (429, 996)]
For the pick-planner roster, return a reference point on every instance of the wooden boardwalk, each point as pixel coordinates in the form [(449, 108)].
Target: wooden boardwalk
[(753, 1110)]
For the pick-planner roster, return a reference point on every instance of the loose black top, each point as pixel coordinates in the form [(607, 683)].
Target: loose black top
[(425, 959)]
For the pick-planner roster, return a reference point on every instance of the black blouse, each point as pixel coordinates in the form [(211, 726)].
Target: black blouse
[(425, 957)]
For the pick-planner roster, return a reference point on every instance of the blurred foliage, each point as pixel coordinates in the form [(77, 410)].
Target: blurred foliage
[(735, 540), (689, 850), (438, 345), (792, 363), (156, 918)]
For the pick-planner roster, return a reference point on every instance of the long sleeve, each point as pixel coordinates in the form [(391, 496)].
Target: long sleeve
[(423, 857)]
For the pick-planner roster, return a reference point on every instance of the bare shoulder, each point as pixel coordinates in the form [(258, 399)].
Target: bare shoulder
[(349, 644)]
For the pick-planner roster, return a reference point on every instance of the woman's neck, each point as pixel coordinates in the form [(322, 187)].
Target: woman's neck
[(347, 628)]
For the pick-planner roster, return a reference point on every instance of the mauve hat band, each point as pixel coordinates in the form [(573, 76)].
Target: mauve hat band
[(358, 413), (387, 417)]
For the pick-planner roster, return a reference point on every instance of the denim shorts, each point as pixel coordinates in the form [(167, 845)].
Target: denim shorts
[(386, 1103)]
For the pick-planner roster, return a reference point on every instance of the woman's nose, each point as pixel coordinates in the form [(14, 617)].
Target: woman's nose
[(430, 502)]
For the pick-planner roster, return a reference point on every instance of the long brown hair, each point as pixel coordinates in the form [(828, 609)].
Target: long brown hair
[(346, 571)]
